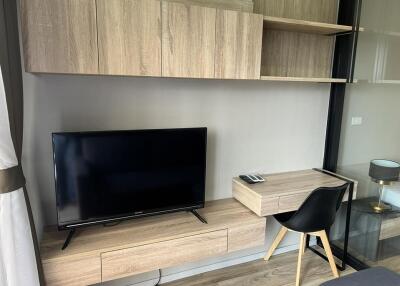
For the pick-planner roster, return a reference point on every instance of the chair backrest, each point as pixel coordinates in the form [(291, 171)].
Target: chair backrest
[(318, 211)]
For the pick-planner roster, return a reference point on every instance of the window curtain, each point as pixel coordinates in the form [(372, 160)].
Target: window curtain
[(19, 254)]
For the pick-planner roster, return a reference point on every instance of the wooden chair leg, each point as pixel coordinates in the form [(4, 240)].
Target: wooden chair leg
[(301, 252), (328, 251), (304, 247), (276, 242)]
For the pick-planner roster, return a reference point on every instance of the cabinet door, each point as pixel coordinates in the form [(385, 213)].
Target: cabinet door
[(188, 40), (129, 37), (59, 36), (238, 45)]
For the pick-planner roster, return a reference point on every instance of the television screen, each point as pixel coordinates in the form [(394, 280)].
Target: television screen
[(106, 176)]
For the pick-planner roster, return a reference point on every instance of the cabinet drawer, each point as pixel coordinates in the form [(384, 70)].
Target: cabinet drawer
[(246, 236), (390, 228), (131, 261), (84, 270)]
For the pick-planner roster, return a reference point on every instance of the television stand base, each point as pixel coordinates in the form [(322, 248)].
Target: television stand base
[(196, 214), (69, 237)]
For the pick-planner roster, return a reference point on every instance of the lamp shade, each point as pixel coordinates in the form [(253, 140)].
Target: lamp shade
[(384, 170)]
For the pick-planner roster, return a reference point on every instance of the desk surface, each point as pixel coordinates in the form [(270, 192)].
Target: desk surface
[(282, 192)]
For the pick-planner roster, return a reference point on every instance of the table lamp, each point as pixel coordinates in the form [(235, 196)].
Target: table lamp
[(384, 173)]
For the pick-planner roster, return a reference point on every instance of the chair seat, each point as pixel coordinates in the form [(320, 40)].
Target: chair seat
[(377, 276)]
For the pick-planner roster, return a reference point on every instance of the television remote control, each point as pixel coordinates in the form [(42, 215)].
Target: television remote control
[(252, 179)]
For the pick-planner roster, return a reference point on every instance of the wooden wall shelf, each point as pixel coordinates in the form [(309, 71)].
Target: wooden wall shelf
[(304, 79), (97, 254), (276, 23)]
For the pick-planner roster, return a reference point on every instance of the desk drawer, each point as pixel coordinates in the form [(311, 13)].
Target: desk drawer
[(131, 261), (291, 202)]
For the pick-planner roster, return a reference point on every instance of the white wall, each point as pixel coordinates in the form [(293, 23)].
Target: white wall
[(253, 126), (379, 135), (377, 138)]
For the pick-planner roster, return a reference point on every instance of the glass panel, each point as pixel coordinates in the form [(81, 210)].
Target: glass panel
[(371, 130)]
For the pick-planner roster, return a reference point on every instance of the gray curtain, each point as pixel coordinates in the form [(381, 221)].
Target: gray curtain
[(12, 179)]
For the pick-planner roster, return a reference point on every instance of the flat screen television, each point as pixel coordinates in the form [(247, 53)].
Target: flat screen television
[(102, 177)]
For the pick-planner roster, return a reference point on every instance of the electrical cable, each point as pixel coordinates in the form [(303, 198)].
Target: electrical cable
[(159, 277)]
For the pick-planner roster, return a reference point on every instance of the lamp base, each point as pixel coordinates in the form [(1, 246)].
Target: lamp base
[(380, 207)]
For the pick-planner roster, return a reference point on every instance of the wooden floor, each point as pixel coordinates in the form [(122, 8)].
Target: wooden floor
[(392, 263), (279, 271)]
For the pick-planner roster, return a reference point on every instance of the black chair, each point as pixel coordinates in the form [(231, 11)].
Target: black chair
[(314, 217)]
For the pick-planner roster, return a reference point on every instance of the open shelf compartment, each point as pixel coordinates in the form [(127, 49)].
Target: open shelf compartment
[(304, 79), (294, 25)]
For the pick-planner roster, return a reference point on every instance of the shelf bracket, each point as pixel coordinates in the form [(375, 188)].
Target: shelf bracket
[(342, 33)]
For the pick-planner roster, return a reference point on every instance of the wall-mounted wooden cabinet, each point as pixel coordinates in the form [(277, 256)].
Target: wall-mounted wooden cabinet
[(129, 35), (238, 45), (172, 38), (237, 5), (59, 36), (188, 40)]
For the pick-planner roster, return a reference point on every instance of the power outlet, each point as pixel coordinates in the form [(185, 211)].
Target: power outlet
[(356, 121)]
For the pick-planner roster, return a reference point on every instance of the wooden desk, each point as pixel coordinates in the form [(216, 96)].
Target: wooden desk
[(97, 254), (283, 192)]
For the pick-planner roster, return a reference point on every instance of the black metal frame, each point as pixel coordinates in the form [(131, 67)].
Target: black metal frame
[(344, 253), (343, 67)]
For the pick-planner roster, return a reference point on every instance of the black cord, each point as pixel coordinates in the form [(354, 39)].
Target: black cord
[(159, 277)]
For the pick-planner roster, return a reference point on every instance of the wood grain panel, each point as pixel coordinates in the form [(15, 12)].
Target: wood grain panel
[(269, 206), (248, 198), (291, 54), (80, 262), (303, 79), (76, 271), (129, 37), (311, 10), (285, 24), (59, 36), (390, 228), (284, 192), (238, 5), (246, 236), (188, 41), (127, 262), (292, 202), (220, 214), (238, 45)]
